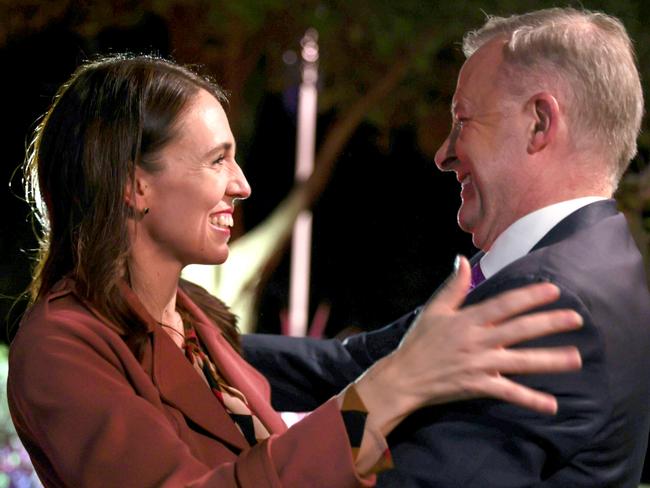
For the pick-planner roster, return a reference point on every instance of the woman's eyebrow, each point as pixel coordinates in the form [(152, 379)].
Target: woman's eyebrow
[(224, 146)]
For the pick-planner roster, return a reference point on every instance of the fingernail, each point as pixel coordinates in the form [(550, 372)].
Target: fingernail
[(578, 319), (456, 263)]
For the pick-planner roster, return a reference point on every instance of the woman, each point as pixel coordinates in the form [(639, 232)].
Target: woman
[(122, 375)]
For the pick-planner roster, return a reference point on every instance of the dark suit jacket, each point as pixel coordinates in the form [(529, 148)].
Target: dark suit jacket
[(91, 414), (598, 437)]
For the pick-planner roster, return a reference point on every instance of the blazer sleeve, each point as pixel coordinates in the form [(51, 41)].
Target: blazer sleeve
[(76, 410), (305, 372)]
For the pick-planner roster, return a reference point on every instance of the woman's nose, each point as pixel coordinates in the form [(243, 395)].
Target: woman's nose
[(238, 186)]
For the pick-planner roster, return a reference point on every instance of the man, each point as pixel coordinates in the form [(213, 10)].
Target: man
[(545, 117)]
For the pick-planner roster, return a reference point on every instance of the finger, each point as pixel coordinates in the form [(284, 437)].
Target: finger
[(533, 360), (514, 302), (453, 292), (531, 326), (512, 392)]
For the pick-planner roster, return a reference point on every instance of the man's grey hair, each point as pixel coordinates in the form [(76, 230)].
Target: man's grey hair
[(588, 59)]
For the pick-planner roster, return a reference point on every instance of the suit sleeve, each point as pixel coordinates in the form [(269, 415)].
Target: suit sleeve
[(491, 443), (305, 372), (76, 410)]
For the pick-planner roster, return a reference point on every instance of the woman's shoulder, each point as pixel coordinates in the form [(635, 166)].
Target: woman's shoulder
[(59, 313)]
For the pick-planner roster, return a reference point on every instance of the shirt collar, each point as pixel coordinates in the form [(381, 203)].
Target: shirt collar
[(522, 235)]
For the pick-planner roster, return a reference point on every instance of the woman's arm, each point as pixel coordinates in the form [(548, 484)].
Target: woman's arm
[(452, 354)]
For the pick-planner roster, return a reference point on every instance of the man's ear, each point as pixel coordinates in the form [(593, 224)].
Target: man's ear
[(545, 113), (135, 192)]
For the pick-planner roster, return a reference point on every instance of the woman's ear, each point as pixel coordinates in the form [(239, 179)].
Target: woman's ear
[(136, 191), (545, 113)]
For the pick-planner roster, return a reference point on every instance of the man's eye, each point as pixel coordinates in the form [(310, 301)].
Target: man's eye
[(219, 160)]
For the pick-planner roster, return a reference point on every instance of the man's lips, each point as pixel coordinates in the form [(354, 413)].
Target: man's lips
[(467, 189)]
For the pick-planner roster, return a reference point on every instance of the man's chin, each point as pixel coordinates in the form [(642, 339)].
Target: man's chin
[(466, 221), (470, 225)]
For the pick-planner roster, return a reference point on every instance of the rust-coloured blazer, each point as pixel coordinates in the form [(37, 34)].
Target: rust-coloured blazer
[(90, 414)]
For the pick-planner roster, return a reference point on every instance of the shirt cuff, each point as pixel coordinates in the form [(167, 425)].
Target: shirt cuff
[(370, 450)]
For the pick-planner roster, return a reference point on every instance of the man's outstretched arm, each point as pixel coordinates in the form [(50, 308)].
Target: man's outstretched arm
[(305, 372)]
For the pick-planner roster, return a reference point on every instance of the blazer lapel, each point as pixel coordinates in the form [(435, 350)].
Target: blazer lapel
[(181, 386), (233, 367), (179, 383)]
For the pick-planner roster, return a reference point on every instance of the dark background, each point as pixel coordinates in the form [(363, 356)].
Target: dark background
[(385, 231)]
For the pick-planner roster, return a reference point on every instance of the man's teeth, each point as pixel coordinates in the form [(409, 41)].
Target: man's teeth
[(466, 179), (221, 220)]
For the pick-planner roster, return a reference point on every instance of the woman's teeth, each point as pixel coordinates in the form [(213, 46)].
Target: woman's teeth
[(221, 220)]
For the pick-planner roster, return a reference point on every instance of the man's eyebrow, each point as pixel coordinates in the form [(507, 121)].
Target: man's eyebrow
[(224, 146)]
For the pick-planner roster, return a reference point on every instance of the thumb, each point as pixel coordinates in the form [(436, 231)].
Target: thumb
[(453, 292)]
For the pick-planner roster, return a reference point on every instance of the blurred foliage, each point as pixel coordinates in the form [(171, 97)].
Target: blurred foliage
[(15, 466), (633, 197), (359, 41), (382, 62)]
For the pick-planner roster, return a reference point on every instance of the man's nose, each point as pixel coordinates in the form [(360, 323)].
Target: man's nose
[(445, 155)]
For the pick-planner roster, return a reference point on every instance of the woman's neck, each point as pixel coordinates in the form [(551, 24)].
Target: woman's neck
[(156, 284)]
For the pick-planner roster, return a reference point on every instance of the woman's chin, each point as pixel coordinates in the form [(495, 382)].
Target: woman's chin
[(219, 258), (213, 259)]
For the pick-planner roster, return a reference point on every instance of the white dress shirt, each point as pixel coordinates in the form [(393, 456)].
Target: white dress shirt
[(522, 235)]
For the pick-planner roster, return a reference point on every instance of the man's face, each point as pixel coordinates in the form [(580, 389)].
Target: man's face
[(486, 148)]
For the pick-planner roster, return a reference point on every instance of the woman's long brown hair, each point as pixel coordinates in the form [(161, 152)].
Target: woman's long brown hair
[(113, 114)]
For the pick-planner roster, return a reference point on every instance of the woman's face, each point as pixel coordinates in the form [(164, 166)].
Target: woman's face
[(191, 199)]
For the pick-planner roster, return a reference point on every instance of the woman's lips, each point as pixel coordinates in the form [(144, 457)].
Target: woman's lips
[(222, 220)]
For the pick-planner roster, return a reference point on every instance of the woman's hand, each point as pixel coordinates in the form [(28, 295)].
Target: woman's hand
[(454, 354)]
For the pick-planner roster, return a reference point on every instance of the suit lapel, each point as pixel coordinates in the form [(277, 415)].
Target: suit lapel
[(581, 218), (476, 258)]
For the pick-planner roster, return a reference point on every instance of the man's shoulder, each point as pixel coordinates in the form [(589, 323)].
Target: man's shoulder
[(602, 409)]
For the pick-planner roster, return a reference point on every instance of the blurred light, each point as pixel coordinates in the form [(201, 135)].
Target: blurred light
[(289, 57), (305, 153), (202, 275)]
